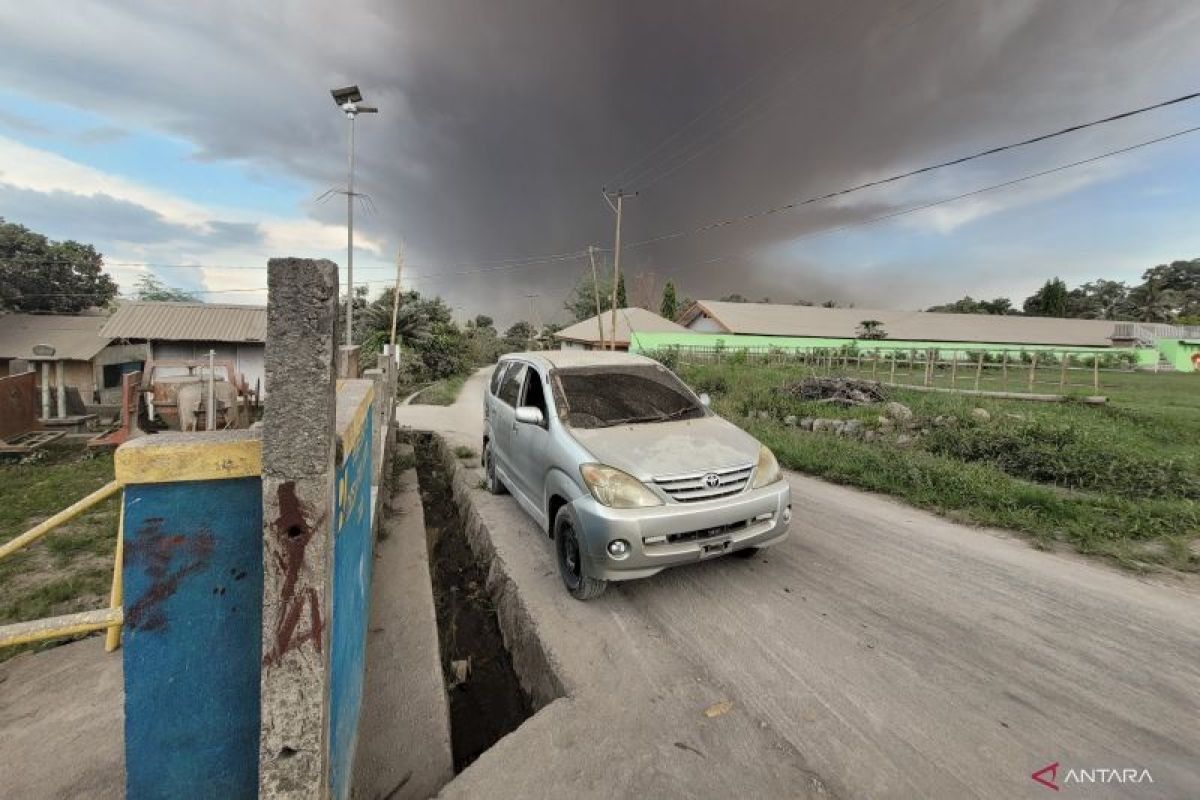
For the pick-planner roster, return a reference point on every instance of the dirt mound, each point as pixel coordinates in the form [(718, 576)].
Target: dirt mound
[(842, 391)]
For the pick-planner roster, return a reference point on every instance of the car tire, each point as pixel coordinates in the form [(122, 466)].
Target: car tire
[(746, 552), (490, 479), (569, 555)]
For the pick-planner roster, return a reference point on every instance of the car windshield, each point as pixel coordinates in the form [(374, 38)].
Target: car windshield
[(600, 397)]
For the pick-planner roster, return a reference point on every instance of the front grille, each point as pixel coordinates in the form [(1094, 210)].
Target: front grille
[(692, 488), (707, 533)]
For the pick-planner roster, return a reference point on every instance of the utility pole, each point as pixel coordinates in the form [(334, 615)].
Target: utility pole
[(349, 100), (533, 319), (396, 295), (596, 291), (620, 195)]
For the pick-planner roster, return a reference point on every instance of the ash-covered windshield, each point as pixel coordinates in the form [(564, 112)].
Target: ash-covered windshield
[(600, 397)]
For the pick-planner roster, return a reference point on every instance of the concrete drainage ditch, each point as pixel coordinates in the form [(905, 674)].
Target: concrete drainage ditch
[(486, 696)]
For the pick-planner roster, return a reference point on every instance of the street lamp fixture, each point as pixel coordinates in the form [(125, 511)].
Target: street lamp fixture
[(349, 100)]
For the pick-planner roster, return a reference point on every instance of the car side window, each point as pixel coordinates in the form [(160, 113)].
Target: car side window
[(535, 394), (510, 387), (498, 376)]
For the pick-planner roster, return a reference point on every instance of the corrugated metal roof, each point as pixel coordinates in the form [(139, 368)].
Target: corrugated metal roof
[(188, 322), (74, 338), (769, 319), (643, 321)]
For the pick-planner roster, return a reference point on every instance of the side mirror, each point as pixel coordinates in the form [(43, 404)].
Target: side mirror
[(528, 415), (705, 400)]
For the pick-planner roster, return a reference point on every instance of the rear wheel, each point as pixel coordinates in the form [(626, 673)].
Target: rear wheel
[(570, 557), (491, 480)]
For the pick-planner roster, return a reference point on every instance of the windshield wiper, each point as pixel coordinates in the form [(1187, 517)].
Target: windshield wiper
[(662, 417)]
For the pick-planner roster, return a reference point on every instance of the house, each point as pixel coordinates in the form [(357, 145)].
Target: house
[(190, 330), (90, 362), (589, 334), (821, 324)]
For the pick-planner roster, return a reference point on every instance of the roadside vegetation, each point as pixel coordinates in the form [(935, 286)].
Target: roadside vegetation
[(1120, 480), (70, 569), (440, 393)]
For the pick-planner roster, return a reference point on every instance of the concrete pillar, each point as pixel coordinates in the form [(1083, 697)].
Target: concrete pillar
[(45, 390), (60, 383), (299, 445), (347, 361)]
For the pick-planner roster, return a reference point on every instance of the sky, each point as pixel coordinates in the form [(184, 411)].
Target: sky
[(195, 141)]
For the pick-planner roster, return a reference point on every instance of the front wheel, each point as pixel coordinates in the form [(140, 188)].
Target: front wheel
[(570, 557), (490, 479)]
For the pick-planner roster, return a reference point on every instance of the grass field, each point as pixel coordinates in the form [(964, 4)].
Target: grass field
[(70, 569), (1120, 480), (440, 393)]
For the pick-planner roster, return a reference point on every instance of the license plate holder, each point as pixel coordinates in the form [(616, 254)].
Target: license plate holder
[(711, 549)]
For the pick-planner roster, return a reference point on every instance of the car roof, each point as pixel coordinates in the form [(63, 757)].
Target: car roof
[(580, 358)]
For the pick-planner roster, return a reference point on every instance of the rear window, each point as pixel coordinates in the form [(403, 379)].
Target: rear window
[(600, 397)]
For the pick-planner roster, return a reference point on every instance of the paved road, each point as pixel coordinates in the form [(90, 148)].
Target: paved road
[(883, 650)]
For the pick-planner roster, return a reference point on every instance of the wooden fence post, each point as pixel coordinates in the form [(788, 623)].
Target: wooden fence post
[(892, 378), (1096, 372), (1005, 368), (1062, 373), (979, 370), (1032, 369), (954, 370)]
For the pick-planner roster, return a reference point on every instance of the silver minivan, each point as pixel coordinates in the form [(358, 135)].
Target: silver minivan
[(625, 467)]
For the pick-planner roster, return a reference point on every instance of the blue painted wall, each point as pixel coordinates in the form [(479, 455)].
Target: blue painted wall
[(192, 638), (352, 562)]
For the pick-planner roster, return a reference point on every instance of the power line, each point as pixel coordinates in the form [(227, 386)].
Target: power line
[(919, 171), (974, 192)]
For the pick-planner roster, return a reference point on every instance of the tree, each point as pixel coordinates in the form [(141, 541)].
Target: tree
[(520, 334), (1099, 299), (419, 322), (622, 301), (1049, 301), (581, 302), (645, 292), (37, 274), (669, 308), (734, 298), (871, 329), (151, 289), (969, 305)]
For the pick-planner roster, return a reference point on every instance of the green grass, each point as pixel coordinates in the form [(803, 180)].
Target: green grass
[(1120, 480), (440, 393), (462, 451), (70, 569)]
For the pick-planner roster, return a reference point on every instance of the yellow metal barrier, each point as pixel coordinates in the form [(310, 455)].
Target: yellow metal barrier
[(109, 619)]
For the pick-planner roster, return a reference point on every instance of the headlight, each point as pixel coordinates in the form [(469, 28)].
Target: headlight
[(615, 488), (767, 470)]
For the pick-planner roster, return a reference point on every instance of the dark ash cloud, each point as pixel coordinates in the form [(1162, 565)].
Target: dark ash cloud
[(500, 122)]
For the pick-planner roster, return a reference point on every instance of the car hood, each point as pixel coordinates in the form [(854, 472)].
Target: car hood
[(654, 449)]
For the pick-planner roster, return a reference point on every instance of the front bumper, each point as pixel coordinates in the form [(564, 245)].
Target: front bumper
[(680, 533)]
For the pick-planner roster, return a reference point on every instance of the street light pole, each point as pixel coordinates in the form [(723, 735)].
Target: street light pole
[(350, 114), (349, 100)]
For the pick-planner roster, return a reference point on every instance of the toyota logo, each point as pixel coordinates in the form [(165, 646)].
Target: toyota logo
[(712, 480)]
